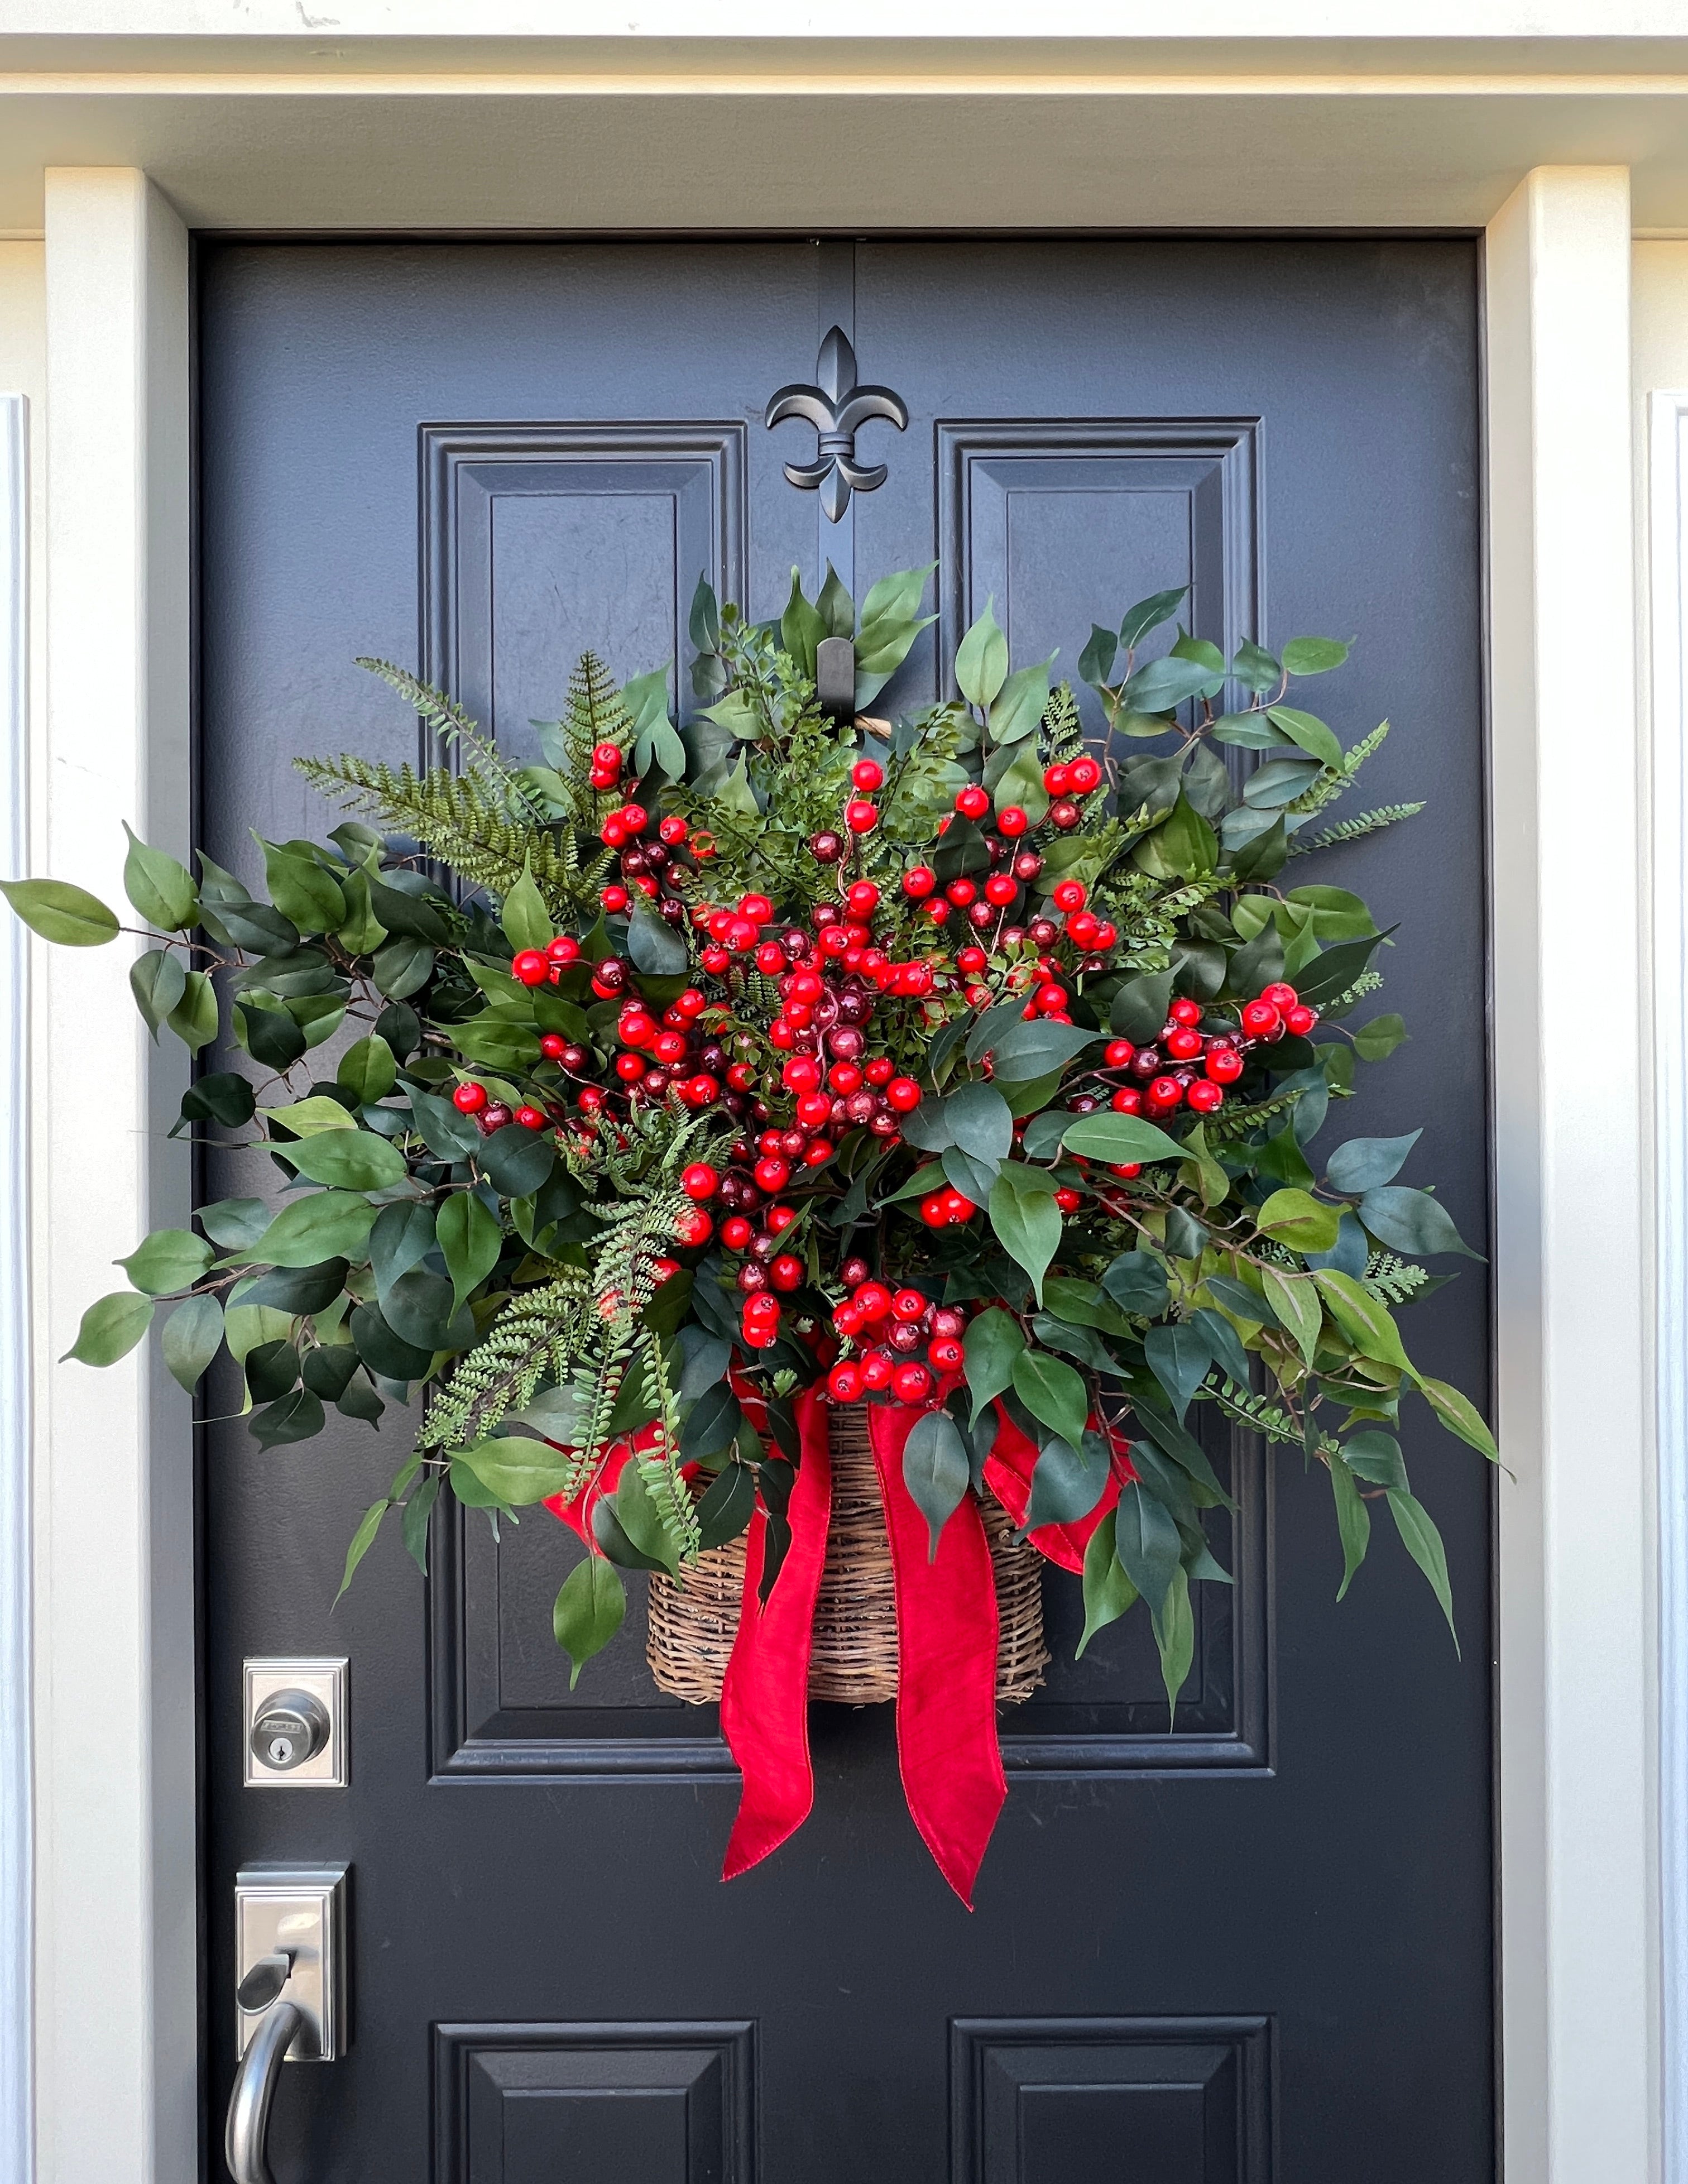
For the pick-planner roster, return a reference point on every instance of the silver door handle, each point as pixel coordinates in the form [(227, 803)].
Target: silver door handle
[(248, 2125)]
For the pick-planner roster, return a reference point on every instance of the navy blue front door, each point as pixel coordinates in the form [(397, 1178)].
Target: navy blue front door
[(1259, 1948)]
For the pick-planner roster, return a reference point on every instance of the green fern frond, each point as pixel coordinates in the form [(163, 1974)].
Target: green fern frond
[(1337, 781), (1396, 1281), (540, 1334), (1230, 1123), (1350, 830), (1262, 1416)]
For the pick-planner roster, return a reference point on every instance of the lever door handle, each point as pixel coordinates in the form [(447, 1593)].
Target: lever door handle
[(249, 2123)]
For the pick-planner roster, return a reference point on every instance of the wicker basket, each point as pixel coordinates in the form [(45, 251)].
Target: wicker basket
[(854, 1655)]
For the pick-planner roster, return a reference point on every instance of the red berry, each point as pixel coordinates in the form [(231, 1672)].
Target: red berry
[(1070, 894), (1118, 1053), (672, 829), (531, 1118), (771, 1173), (1183, 1044), (563, 949), (530, 967), (759, 1334), (1166, 1092), (971, 960), (867, 774), (911, 1383), (1050, 998), (1064, 813), (1127, 1100), (909, 1304), (818, 1152), (1185, 1011), (1000, 890), (612, 833), (1082, 929), (613, 898), (1012, 821), (607, 757), (778, 1219), (937, 910), (629, 1067), (714, 960), (1299, 1020), (971, 802), (874, 1300), (918, 881), (736, 1232), (876, 1369), (1057, 779), (1126, 1169), (903, 1094), (495, 1115), (958, 1206), (826, 848), (861, 816), (695, 1227), (947, 1354), (861, 899), (1280, 995), (1260, 1018), (1224, 1065), (961, 891), (802, 1073), (785, 1271), (1204, 1095), (1083, 776), (469, 1098), (553, 1045), (1068, 1199), (1106, 934), (664, 1270), (843, 1382), (634, 818), (880, 1070), (703, 1091), (700, 1180)]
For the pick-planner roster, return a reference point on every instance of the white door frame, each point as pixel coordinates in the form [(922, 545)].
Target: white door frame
[(116, 1970)]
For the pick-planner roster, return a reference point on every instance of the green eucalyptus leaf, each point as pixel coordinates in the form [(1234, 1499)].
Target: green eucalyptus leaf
[(326, 1224), (1146, 1543), (992, 1342), (111, 1326), (158, 980), (1053, 1392), (1068, 1480), (347, 1159), (588, 1612), (1412, 1222), (69, 916), (982, 661), (161, 890), (1366, 1163), (1109, 1593), (1025, 1218), (192, 1336), (936, 1470), (471, 1238), (169, 1259), (1423, 1542)]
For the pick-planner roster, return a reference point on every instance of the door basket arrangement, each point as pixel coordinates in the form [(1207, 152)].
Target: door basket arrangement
[(831, 1163), (853, 1658)]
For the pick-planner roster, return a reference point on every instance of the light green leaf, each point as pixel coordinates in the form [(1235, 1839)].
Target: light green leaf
[(330, 1224), (1295, 1302), (588, 1611), (362, 1541), (158, 980), (1109, 1593), (1423, 1542), (515, 1470), (347, 1159), (305, 1119), (192, 1336), (1353, 1521), (162, 890), (1119, 1139), (363, 932), (69, 916), (301, 889), (368, 1069), (1175, 1638), (470, 1238), (992, 1343), (1461, 1416), (194, 1017), (1377, 1040), (1363, 1318), (524, 916), (1295, 1218), (169, 1259), (1314, 655), (111, 1327), (1308, 733), (982, 661), (1019, 705)]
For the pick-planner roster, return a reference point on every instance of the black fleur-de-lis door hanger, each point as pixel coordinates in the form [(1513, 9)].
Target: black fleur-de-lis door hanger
[(836, 407)]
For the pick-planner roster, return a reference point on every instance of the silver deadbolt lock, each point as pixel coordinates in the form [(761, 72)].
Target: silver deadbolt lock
[(292, 1728), (295, 1722)]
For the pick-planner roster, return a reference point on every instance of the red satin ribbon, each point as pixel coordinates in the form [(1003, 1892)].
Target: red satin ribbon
[(947, 1749)]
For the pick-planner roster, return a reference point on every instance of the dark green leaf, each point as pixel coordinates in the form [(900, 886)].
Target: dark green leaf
[(194, 1017), (588, 1612), (979, 1122), (414, 1522), (518, 1471), (328, 1225), (727, 1508), (1353, 1521), (299, 1289), (1146, 1543), (1067, 1481), (712, 1423), (271, 1370), (1329, 975), (1228, 1353), (421, 1309), (992, 1342), (1175, 1640), (1423, 1542), (1239, 1298), (192, 1336), (1026, 1050), (1095, 661), (1180, 1357), (327, 1370), (347, 1159), (1139, 1007), (1165, 684), (368, 1069), (295, 1417), (1053, 1393), (222, 1097), (1119, 1139), (1364, 1163), (517, 1161), (470, 1238), (656, 947), (382, 1350), (402, 1237), (640, 1519), (270, 1035), (1137, 1283), (1108, 1591), (358, 1399), (1018, 707), (1281, 781), (982, 659), (448, 1136), (1311, 733), (158, 981), (1412, 1221), (935, 1470), (1186, 1237), (402, 968), (1375, 1457), (1025, 1217), (1148, 613)]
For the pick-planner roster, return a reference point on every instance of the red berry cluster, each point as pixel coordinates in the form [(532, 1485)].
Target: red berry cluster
[(653, 867), (1189, 1067), (890, 1331)]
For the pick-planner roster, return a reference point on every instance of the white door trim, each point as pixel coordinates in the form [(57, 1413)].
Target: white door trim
[(16, 1589), (116, 1963)]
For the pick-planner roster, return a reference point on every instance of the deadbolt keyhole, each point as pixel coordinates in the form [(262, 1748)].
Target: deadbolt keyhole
[(292, 1727)]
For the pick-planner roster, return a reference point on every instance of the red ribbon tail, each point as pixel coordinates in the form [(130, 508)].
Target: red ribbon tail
[(764, 1698), (946, 1684)]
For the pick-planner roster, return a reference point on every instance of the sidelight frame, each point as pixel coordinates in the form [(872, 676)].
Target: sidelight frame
[(116, 1967)]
